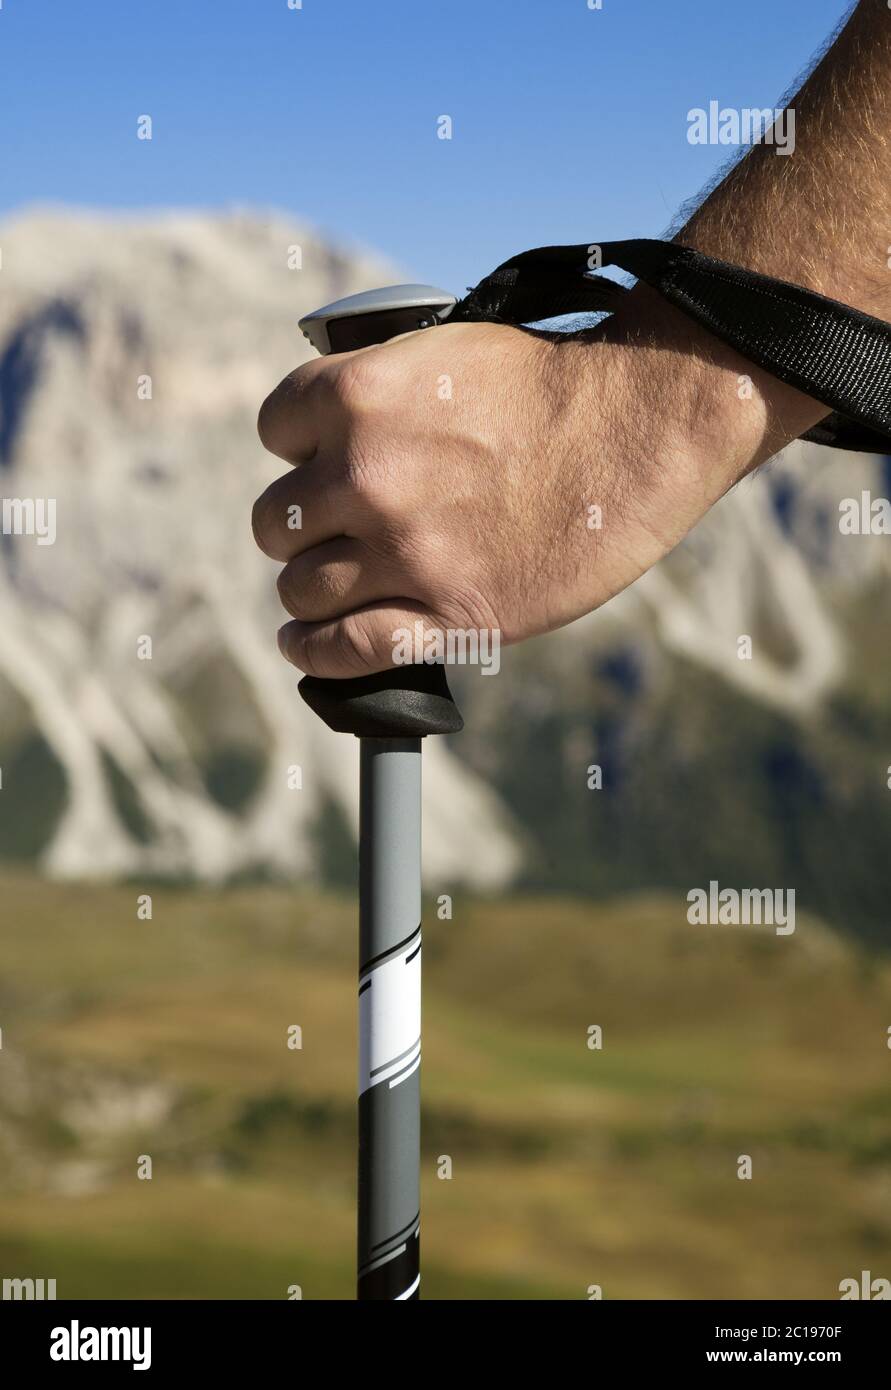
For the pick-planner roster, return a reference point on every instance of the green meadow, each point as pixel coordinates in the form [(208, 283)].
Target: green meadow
[(571, 1166)]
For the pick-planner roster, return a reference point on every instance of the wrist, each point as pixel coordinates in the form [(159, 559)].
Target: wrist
[(723, 414)]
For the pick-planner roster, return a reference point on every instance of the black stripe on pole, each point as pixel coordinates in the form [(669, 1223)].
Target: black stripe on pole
[(388, 1281), (390, 951), (394, 1239)]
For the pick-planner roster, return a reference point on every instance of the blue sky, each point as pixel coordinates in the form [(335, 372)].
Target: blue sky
[(569, 124)]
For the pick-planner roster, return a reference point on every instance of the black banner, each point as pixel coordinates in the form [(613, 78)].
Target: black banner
[(66, 1338)]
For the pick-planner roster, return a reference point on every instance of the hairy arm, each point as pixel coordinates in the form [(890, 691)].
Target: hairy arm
[(819, 217)]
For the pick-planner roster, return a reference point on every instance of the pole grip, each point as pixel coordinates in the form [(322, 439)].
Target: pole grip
[(404, 701)]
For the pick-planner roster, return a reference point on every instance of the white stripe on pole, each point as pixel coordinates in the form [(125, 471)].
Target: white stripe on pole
[(390, 1016)]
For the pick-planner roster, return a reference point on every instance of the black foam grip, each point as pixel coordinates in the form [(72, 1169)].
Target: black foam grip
[(404, 702)]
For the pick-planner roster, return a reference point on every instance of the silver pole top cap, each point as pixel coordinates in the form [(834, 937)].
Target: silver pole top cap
[(400, 308)]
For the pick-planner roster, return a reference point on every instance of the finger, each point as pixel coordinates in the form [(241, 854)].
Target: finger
[(290, 419), (309, 403), (302, 509), (334, 579), (357, 645)]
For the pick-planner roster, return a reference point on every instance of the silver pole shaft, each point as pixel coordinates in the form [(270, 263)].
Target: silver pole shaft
[(389, 1017)]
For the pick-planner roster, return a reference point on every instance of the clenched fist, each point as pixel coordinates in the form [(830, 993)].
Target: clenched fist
[(483, 477)]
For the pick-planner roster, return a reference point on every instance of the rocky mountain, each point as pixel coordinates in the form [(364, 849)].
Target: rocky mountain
[(133, 354)]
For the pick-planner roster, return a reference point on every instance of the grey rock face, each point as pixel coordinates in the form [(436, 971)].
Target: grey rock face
[(134, 354)]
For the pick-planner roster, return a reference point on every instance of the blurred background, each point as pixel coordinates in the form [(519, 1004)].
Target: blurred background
[(149, 293)]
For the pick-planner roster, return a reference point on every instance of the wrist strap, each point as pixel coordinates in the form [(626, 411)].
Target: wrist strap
[(826, 349)]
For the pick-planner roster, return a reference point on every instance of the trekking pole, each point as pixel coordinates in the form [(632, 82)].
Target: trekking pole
[(389, 713)]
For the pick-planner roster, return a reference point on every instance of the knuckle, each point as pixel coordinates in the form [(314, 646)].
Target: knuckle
[(357, 382), (297, 590), (260, 522), (372, 480), (264, 419), (290, 393), (356, 645), (266, 515), (303, 652), (362, 478), (287, 590)]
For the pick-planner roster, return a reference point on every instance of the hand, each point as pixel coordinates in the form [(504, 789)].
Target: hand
[(450, 475)]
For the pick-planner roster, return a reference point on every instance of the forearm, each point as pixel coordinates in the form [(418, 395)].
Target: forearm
[(819, 217)]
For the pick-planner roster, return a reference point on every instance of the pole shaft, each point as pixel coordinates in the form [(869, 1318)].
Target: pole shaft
[(389, 1017)]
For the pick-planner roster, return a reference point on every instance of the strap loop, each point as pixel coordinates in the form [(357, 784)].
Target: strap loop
[(828, 350)]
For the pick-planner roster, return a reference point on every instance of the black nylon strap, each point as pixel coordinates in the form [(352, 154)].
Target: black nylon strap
[(826, 349)]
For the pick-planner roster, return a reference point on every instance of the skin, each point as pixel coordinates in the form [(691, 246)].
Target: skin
[(472, 511)]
